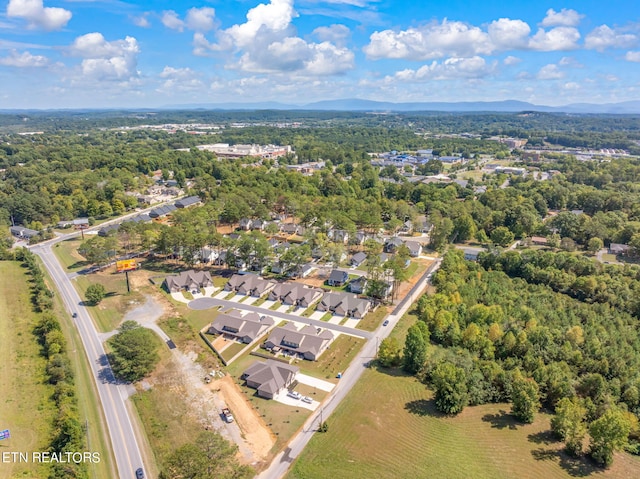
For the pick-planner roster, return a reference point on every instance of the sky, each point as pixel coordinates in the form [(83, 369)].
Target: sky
[(119, 54)]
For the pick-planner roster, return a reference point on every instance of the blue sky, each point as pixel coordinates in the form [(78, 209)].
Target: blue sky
[(113, 53)]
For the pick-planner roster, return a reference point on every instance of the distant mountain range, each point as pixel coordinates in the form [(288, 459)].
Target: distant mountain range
[(355, 104)]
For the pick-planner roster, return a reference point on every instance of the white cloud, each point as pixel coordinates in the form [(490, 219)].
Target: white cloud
[(511, 60), (293, 54), (604, 37), (509, 34), (275, 16), (559, 38), (434, 40), (565, 17), (180, 80), (201, 19), (170, 19), (450, 69), (267, 43), (550, 72), (571, 86), (142, 21), (334, 33), (39, 16), (24, 60), (632, 56), (570, 62), (103, 60)]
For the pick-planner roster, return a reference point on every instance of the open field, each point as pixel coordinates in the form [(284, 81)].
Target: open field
[(372, 320), (26, 408), (109, 313), (397, 433), (67, 253), (334, 360)]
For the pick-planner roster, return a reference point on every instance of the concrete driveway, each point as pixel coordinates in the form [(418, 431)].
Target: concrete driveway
[(289, 401)]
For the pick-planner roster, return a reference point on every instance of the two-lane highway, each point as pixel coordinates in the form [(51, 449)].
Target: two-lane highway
[(113, 396)]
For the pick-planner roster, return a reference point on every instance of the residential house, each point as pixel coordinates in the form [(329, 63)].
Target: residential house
[(249, 284), (273, 243), (539, 240), (108, 230), (188, 201), (344, 304), (392, 245), (337, 278), (188, 280), (270, 378), (23, 233), (415, 248), (258, 224), (358, 258), (338, 236), (619, 249), (407, 227), (358, 285), (245, 224), (245, 328), (208, 255), (162, 211), (308, 342), (291, 229), (359, 238), (426, 227), (384, 257), (282, 247), (295, 294), (471, 254), (305, 270)]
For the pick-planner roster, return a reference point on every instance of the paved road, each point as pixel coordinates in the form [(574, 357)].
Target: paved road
[(283, 461), (112, 395), (208, 303)]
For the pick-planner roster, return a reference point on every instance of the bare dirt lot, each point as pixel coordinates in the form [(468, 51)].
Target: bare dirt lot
[(255, 432)]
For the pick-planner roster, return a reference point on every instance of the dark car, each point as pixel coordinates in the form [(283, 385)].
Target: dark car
[(139, 473), (386, 321), (74, 315)]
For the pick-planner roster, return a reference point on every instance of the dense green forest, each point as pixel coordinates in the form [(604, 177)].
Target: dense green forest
[(505, 339)]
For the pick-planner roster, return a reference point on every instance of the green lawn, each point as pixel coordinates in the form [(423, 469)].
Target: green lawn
[(233, 349), (334, 360), (67, 253), (397, 433), (26, 409), (109, 313), (372, 320)]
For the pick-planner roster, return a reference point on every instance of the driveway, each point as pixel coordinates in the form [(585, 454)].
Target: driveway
[(335, 319), (289, 401), (317, 315), (180, 297)]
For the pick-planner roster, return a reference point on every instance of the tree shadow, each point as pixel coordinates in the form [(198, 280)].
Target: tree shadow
[(396, 372), (501, 420), (574, 466), (424, 407), (543, 437)]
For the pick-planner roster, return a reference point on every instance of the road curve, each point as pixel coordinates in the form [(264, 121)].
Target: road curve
[(281, 463), (112, 395)]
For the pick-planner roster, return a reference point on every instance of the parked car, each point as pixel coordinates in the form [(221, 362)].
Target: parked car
[(294, 394), (307, 399), (386, 321)]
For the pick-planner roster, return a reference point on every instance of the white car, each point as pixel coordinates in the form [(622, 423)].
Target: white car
[(294, 394), (307, 399)]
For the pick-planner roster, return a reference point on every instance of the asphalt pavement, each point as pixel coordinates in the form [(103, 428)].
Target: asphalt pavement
[(112, 395), (281, 463)]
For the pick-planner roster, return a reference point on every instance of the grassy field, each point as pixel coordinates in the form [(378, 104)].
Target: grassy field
[(397, 433), (26, 408), (372, 320), (334, 360), (67, 253), (109, 313)]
